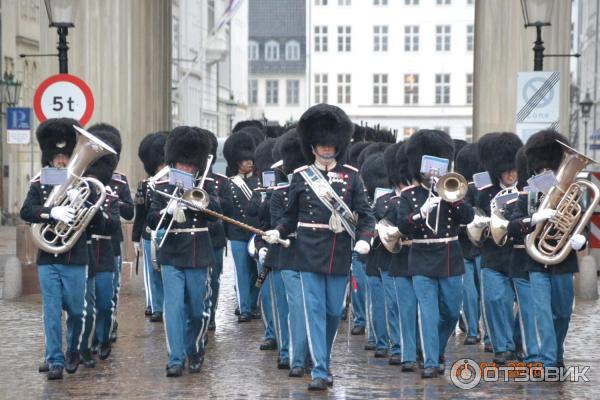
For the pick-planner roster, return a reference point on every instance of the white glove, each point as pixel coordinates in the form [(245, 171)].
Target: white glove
[(542, 216), (388, 233), (362, 247), (480, 221), (72, 194), (174, 205), (136, 247), (271, 236), (429, 205), (262, 254), (577, 242), (63, 213)]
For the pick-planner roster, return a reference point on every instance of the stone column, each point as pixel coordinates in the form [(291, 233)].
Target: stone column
[(503, 47)]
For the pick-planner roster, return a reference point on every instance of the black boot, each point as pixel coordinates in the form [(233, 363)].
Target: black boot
[(500, 358), (395, 360), (72, 361), (329, 379), (317, 384), (441, 365), (105, 350), (174, 371), (245, 317), (429, 373), (488, 348), (296, 372), (381, 353), (255, 314), (113, 333), (211, 325), (156, 317), (237, 311), (358, 330), (195, 363), (370, 346), (409, 366), (43, 367), (87, 360), (148, 311), (471, 340), (269, 344), (283, 363), (55, 373)]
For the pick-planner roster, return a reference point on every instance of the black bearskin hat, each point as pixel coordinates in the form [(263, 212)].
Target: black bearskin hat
[(427, 142), (377, 147), (152, 151), (325, 124), (104, 167), (56, 136), (290, 151), (374, 173), (354, 152), (543, 150), (467, 161), (497, 153), (263, 156), (391, 166), (359, 133), (370, 134), (103, 127), (274, 131), (522, 168), (237, 148), (458, 145), (402, 165), (258, 135), (214, 146), (251, 122), (384, 135), (188, 145)]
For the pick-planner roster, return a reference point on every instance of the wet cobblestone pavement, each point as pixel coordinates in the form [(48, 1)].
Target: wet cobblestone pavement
[(235, 368)]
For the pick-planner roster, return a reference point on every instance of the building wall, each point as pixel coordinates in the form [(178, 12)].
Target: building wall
[(281, 112)]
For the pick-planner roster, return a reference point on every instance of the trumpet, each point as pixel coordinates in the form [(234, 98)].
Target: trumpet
[(451, 187)]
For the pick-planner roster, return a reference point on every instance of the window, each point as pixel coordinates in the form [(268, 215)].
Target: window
[(292, 91), (442, 38), (443, 2), (443, 129), (469, 134), (380, 89), (320, 38), (442, 88), (272, 51), (344, 2), (344, 38), (409, 130), (253, 91), (470, 37), (469, 89), (411, 2), (272, 92), (411, 38), (469, 2), (380, 38), (292, 51), (411, 88), (380, 2), (321, 88), (320, 2), (344, 88), (253, 50)]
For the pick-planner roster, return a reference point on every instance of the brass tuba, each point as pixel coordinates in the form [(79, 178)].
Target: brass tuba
[(499, 224), (394, 245), (549, 242), (478, 234), (60, 237)]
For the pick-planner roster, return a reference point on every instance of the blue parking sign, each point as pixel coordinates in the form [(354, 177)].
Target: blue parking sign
[(18, 125)]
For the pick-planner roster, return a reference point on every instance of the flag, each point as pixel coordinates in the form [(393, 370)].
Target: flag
[(227, 15)]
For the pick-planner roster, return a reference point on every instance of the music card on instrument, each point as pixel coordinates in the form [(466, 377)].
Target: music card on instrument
[(434, 165), (543, 182), (382, 191), (482, 180), (53, 176), (181, 178), (268, 179), (505, 198)]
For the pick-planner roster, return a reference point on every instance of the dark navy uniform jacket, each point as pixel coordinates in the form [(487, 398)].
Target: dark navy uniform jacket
[(379, 258), (221, 188), (518, 257), (184, 249), (101, 237), (120, 187), (493, 256), (520, 226), (470, 251), (239, 210), (398, 261), (143, 199), (321, 250), (33, 211), (433, 260), (278, 204)]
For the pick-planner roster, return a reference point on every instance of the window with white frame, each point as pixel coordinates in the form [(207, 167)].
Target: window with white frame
[(292, 92), (344, 93), (443, 2), (344, 38), (411, 2), (411, 88), (442, 88), (442, 37), (469, 99), (253, 91), (320, 38), (320, 2), (253, 50), (344, 2), (470, 37), (321, 88), (380, 89), (469, 134), (272, 92), (380, 2), (411, 38), (292, 50), (380, 38), (272, 51)]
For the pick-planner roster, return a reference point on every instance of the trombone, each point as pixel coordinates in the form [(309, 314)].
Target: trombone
[(451, 187)]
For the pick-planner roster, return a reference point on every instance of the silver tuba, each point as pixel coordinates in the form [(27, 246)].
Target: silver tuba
[(499, 224), (59, 237)]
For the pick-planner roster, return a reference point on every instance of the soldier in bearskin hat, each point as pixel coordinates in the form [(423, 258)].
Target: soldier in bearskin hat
[(239, 151), (187, 252), (151, 152), (497, 152), (62, 276), (435, 258), (322, 198), (551, 287)]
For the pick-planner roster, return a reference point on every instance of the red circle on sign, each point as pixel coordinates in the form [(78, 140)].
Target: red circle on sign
[(87, 92)]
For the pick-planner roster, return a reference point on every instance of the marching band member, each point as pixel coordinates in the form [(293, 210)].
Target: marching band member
[(435, 259), (324, 241), (497, 152), (152, 154), (239, 152), (551, 285), (186, 254)]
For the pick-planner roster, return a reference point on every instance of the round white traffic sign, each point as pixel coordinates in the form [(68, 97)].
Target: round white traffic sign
[(64, 96)]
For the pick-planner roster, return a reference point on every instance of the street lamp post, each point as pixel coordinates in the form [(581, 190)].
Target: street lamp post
[(537, 13), (586, 106), (60, 15)]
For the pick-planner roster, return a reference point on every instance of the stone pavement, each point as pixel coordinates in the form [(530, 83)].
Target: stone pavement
[(235, 367)]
